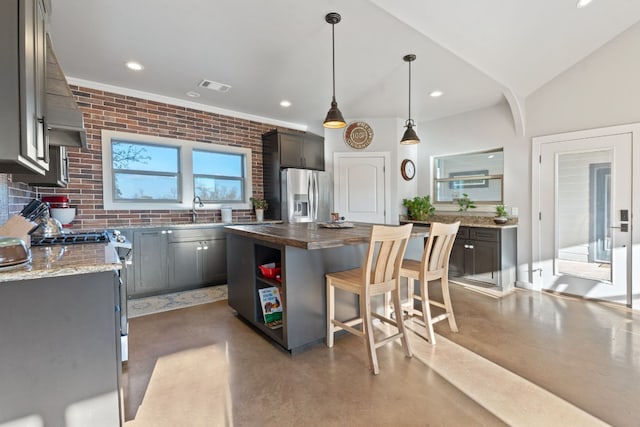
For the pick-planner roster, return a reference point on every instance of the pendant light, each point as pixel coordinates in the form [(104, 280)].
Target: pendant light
[(409, 136), (334, 118)]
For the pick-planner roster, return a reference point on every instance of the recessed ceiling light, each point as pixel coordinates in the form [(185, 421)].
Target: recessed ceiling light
[(285, 103), (136, 66), (193, 94), (436, 93), (583, 3)]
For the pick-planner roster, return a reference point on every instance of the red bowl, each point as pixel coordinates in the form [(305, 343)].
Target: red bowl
[(270, 272)]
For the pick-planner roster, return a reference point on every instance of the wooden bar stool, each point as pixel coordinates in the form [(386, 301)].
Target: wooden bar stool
[(379, 274), (433, 266)]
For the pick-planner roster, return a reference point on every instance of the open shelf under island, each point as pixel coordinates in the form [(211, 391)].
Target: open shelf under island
[(306, 252)]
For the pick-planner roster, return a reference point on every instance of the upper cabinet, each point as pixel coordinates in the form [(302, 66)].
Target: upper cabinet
[(56, 176), (293, 150), (23, 122)]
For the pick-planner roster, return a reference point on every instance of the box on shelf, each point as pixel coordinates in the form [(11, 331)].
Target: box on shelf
[(271, 303)]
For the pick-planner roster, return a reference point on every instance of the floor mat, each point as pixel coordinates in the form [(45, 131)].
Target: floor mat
[(159, 303)]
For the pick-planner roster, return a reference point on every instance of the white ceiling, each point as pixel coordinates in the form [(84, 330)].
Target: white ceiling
[(272, 50)]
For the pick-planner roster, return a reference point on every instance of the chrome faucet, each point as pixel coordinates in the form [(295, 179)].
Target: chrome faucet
[(194, 214)]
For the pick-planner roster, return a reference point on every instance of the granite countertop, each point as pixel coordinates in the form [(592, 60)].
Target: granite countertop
[(462, 224), (65, 260), (311, 235), (466, 220)]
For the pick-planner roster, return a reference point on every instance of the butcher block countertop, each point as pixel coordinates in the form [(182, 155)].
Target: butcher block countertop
[(64, 260), (311, 235)]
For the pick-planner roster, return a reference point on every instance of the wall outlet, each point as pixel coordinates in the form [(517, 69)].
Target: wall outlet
[(514, 211)]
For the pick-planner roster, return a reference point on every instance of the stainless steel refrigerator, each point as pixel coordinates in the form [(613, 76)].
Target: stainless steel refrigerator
[(304, 196)]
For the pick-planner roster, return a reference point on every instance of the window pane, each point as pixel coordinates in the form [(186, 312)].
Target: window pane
[(219, 164), (218, 190), (584, 214), (470, 173), (489, 161), (129, 186), (144, 157), (479, 190)]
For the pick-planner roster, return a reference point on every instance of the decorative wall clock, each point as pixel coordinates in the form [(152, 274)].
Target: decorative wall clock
[(408, 169), (358, 135)]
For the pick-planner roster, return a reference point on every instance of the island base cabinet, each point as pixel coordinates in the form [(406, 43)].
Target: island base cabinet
[(60, 351), (303, 287), (241, 276)]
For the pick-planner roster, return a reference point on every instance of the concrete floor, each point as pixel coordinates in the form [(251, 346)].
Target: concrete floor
[(527, 359)]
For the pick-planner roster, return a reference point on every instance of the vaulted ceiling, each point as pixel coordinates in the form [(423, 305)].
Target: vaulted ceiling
[(473, 51)]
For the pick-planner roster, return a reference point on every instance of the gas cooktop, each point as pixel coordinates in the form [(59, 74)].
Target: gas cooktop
[(71, 239)]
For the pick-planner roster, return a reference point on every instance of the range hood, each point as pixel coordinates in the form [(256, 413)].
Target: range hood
[(64, 118)]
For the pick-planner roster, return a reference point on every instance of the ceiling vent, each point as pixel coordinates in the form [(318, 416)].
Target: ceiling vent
[(210, 84)]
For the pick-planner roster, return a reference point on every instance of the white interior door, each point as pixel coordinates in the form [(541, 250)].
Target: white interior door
[(582, 187), (360, 185)]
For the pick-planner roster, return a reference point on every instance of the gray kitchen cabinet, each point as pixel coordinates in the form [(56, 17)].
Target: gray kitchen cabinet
[(23, 123), (301, 286), (56, 176), (215, 261), (241, 272), (313, 151), (60, 351), (485, 255), (149, 262), (185, 267), (197, 257), (293, 150), (168, 259)]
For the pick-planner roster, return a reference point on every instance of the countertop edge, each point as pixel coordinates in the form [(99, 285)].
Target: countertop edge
[(319, 243), (463, 224)]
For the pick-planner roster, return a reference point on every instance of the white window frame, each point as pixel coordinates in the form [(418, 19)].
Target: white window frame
[(186, 171)]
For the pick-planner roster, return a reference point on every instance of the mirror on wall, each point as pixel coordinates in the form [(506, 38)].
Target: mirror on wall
[(478, 174)]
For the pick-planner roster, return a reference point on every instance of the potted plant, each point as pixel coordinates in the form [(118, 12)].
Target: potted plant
[(465, 203), (419, 208), (501, 215), (259, 204)]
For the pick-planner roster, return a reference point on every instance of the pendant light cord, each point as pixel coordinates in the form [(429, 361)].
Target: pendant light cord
[(333, 57), (410, 92)]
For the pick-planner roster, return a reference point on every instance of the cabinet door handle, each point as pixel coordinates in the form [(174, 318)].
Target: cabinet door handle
[(66, 167), (45, 141)]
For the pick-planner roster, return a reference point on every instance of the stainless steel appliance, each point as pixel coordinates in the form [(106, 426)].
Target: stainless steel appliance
[(305, 195), (123, 247)]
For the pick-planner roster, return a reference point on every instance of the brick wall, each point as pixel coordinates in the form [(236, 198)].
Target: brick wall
[(104, 110)]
